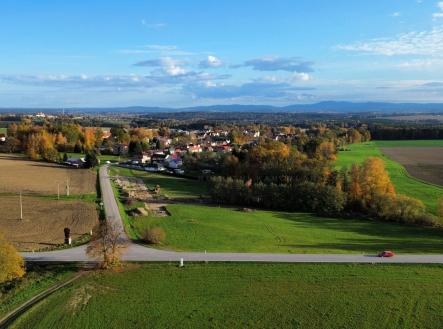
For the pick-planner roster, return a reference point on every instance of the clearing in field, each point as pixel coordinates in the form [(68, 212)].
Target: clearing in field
[(18, 174), (404, 183), (170, 186), (44, 220), (425, 163), (218, 229), (221, 295)]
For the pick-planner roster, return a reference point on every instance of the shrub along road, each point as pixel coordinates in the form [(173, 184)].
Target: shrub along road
[(135, 252)]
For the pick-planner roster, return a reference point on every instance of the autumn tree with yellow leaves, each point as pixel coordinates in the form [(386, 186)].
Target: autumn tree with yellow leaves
[(11, 263)]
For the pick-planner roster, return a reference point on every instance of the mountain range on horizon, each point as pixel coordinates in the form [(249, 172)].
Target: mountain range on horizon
[(320, 107)]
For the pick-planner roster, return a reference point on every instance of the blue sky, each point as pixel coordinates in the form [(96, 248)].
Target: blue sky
[(185, 53)]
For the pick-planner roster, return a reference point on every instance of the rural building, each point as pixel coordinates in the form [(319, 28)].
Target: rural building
[(76, 162)]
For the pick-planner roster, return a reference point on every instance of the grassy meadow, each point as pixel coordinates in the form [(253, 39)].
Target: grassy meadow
[(170, 186), (199, 228), (403, 182), (102, 157), (221, 295)]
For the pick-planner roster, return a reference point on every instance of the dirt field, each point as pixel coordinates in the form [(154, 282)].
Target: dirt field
[(425, 163), (44, 220), (18, 174)]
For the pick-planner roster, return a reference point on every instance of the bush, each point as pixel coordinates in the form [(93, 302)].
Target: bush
[(154, 235)]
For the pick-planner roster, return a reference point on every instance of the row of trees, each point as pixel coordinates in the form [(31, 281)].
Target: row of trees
[(275, 175), (380, 132)]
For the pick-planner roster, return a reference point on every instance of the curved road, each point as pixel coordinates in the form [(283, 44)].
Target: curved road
[(135, 252)]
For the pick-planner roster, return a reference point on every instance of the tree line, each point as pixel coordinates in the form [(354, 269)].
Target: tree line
[(406, 133), (275, 175)]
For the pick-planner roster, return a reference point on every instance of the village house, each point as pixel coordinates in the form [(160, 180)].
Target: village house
[(120, 149), (195, 148)]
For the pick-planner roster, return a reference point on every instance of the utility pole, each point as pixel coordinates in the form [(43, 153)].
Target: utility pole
[(67, 186), (21, 206), (58, 191)]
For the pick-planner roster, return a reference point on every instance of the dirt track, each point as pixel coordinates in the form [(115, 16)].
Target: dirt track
[(425, 163), (44, 220), (18, 174)]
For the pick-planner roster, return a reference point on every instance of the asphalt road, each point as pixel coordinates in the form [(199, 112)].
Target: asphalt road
[(135, 252)]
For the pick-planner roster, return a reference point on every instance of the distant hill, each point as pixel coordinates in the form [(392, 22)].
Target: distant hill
[(322, 107)]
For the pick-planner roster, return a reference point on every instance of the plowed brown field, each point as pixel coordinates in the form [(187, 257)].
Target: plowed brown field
[(425, 163), (44, 220), (18, 174)]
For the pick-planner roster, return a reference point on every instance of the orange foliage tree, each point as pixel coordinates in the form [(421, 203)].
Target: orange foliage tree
[(11, 263)]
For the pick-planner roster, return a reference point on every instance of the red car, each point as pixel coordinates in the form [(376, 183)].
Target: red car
[(386, 253)]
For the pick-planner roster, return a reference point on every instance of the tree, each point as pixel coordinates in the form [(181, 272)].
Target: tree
[(326, 151), (12, 144), (91, 159), (355, 136), (135, 148), (375, 179), (11, 263), (107, 243)]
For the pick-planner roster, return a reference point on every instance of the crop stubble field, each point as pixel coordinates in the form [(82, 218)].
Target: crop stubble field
[(425, 163), (18, 174), (44, 220)]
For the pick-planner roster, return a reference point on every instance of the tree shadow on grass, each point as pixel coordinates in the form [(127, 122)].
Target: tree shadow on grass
[(406, 238), (373, 246)]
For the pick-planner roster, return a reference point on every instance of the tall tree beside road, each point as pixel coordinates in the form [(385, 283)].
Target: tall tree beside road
[(107, 243)]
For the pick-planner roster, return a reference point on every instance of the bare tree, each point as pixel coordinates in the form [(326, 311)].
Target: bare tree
[(107, 243)]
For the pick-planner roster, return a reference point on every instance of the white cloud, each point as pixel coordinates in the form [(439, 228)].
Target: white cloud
[(149, 25), (428, 43), (272, 63), (421, 64), (302, 76), (396, 14), (81, 81), (168, 65), (439, 14), (211, 62)]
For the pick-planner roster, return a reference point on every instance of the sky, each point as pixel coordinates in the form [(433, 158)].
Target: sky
[(175, 53)]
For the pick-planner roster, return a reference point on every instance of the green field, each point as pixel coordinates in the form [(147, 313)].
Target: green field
[(199, 228), (3, 130), (36, 280), (170, 186), (403, 182), (102, 157), (247, 296)]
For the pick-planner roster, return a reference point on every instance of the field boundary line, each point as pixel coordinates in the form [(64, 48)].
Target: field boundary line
[(9, 318)]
